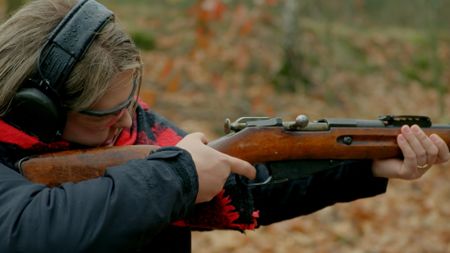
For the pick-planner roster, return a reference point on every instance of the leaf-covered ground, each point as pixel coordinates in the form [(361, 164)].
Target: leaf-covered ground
[(199, 77)]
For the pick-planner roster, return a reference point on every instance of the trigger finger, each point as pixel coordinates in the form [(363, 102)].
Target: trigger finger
[(242, 168)]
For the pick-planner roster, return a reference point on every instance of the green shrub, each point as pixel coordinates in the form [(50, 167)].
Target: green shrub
[(144, 40)]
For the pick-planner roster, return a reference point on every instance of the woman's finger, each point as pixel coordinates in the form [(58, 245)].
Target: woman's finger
[(410, 160), (443, 151), (431, 150), (242, 167), (416, 145)]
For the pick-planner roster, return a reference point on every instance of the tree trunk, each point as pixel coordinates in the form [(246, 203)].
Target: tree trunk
[(291, 74)]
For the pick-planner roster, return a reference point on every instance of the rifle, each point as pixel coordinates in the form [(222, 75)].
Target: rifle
[(254, 139)]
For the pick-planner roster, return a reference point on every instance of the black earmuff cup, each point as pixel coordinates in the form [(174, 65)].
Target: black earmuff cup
[(38, 108)]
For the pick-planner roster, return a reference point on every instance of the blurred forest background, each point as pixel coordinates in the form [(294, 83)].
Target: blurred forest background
[(207, 60)]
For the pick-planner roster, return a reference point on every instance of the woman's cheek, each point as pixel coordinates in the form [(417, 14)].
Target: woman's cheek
[(86, 136)]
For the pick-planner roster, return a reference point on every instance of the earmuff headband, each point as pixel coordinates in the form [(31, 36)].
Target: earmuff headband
[(70, 40), (37, 107)]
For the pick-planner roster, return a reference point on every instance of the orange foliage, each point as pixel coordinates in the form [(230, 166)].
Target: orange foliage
[(219, 84), (246, 27), (272, 2), (174, 84), (208, 10), (167, 69), (148, 96), (203, 37), (204, 12)]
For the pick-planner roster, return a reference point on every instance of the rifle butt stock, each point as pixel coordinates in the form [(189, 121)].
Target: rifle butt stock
[(53, 169)]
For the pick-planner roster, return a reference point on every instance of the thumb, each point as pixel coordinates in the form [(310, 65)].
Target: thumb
[(200, 136)]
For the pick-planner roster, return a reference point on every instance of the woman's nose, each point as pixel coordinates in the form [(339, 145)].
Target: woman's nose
[(125, 120)]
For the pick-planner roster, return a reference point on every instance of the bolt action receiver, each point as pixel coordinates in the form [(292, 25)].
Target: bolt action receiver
[(302, 123)]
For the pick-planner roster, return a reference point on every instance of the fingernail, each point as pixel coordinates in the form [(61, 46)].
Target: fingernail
[(415, 129), (434, 137), (406, 129)]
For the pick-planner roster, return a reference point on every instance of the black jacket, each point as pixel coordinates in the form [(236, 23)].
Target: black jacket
[(130, 209)]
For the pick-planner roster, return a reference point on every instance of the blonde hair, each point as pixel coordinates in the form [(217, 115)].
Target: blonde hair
[(24, 34)]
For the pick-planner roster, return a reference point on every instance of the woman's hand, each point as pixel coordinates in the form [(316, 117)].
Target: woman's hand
[(420, 152), (213, 167)]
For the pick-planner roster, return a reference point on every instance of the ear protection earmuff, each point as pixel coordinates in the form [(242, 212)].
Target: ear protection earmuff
[(37, 107)]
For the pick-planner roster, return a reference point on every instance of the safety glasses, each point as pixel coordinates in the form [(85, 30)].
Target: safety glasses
[(129, 104)]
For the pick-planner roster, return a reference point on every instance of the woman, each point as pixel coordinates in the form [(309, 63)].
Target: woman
[(146, 205)]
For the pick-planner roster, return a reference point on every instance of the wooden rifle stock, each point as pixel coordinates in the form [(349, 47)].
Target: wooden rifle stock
[(56, 168), (275, 144), (256, 140)]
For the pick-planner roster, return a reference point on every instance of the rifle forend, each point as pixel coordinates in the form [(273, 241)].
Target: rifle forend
[(265, 139)]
